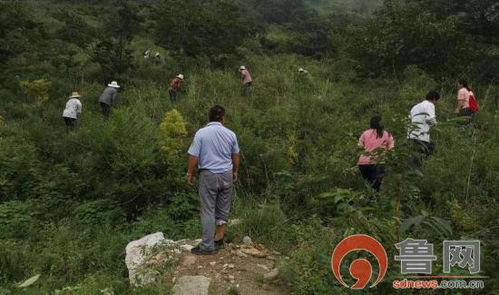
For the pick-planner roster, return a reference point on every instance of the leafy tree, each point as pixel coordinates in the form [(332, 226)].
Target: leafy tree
[(16, 30), (75, 30), (113, 59), (113, 53), (281, 11), (201, 27), (403, 33), (124, 21), (311, 37)]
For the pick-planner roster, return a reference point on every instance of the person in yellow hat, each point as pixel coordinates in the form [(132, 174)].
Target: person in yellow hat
[(72, 110)]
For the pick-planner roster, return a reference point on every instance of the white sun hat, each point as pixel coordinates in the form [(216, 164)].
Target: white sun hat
[(242, 68), (75, 95), (301, 70), (180, 76), (114, 84)]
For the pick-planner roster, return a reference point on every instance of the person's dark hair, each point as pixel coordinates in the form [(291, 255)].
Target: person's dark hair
[(376, 124), (464, 83), (216, 113), (433, 95)]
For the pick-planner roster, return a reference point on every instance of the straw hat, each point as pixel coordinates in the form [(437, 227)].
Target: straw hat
[(75, 94), (180, 76), (242, 68), (114, 84)]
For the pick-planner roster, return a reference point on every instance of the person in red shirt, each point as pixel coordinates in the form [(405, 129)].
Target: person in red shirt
[(375, 141)]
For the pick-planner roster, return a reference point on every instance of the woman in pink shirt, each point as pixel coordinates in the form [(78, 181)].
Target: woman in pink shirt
[(375, 142), (463, 99)]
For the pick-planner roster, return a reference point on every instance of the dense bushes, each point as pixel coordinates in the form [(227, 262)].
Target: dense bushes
[(69, 202), (298, 149)]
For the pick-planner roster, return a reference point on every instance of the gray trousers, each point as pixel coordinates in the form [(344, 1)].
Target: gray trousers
[(215, 193), (247, 89)]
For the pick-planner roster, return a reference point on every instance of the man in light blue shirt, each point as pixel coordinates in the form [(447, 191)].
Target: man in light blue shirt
[(215, 152)]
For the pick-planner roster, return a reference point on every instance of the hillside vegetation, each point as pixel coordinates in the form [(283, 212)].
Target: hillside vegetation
[(70, 202)]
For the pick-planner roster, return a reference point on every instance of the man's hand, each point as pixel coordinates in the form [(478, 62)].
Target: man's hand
[(235, 167), (192, 163), (190, 179)]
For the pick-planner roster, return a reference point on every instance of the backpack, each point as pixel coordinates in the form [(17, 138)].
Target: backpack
[(473, 103)]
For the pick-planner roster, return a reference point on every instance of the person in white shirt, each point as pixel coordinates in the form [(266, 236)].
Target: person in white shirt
[(72, 110), (422, 118)]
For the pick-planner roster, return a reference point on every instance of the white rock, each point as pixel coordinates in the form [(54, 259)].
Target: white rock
[(254, 252), (191, 285), (241, 254), (137, 253), (186, 247), (264, 267), (247, 240), (271, 275)]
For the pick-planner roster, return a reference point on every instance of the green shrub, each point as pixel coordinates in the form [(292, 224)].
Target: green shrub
[(265, 224), (102, 212), (173, 130), (17, 219), (177, 220)]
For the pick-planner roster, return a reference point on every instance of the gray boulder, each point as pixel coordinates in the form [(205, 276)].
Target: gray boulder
[(191, 285)]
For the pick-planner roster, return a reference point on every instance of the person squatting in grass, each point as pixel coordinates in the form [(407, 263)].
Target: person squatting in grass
[(245, 80), (215, 153), (422, 118), (71, 111), (108, 98), (175, 87), (375, 141)]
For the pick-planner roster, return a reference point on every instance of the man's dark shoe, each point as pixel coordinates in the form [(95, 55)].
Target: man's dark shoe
[(220, 244), (198, 251)]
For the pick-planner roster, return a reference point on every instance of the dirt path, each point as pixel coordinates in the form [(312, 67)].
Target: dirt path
[(231, 271)]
